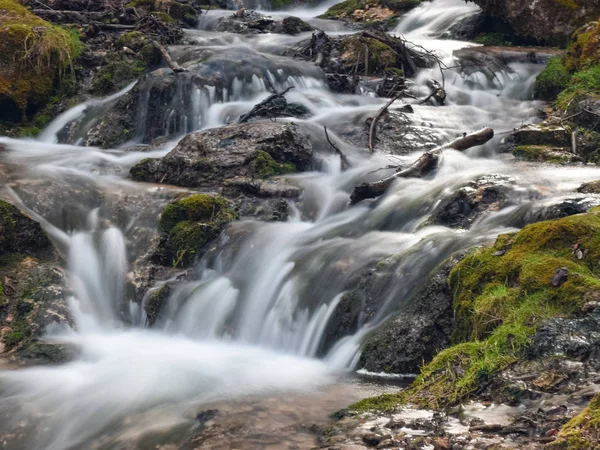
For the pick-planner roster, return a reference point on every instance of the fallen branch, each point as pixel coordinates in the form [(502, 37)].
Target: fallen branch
[(373, 127), (167, 57), (424, 165), (263, 106), (438, 93), (345, 163)]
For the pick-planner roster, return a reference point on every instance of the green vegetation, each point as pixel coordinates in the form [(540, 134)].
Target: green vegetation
[(381, 56), (544, 153), (265, 166), (582, 432), (553, 80), (584, 51), (346, 8), (492, 39), (33, 55), (584, 83), (188, 224), (116, 74), (501, 295), (167, 10)]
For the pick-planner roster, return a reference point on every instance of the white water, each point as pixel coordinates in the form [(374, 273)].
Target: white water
[(255, 320)]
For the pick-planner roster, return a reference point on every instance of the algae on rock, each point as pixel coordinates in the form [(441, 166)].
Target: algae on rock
[(187, 225)]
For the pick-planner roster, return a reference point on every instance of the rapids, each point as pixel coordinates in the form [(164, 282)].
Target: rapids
[(252, 323)]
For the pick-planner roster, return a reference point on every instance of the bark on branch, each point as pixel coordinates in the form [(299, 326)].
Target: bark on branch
[(424, 165), (265, 106), (373, 127), (167, 57)]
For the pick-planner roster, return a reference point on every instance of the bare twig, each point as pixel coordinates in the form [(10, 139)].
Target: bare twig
[(425, 164), (345, 163), (373, 127), (165, 54)]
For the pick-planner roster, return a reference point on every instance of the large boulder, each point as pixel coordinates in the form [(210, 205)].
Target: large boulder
[(208, 158), (420, 330), (370, 11), (549, 21)]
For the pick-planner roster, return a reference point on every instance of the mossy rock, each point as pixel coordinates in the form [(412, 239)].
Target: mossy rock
[(552, 80), (20, 234), (155, 303), (593, 187), (545, 153), (33, 55), (168, 11), (502, 293), (582, 432), (381, 56), (369, 11), (116, 74), (187, 225), (265, 166), (584, 51)]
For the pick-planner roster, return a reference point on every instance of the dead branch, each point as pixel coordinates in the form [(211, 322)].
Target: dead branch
[(438, 93), (167, 57), (345, 163), (424, 165), (373, 127), (266, 105)]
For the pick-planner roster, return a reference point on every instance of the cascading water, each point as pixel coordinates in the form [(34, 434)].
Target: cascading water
[(253, 318)]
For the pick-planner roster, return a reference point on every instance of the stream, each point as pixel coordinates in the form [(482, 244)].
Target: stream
[(247, 334)]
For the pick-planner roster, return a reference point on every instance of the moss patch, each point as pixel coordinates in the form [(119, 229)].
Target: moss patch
[(348, 9), (265, 166), (584, 51), (501, 295), (584, 83), (33, 54), (582, 431), (544, 153), (188, 224), (381, 56), (168, 11), (552, 81)]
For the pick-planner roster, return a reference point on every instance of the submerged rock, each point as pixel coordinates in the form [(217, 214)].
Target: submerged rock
[(208, 158)]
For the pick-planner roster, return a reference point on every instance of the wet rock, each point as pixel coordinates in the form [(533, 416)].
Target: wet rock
[(588, 145), (562, 207), (342, 84), (491, 59), (421, 328), (370, 11), (577, 338), (185, 227), (545, 153), (466, 29), (416, 135), (540, 135), (208, 158), (32, 289), (345, 54), (251, 22), (486, 194), (592, 187), (20, 234), (546, 21)]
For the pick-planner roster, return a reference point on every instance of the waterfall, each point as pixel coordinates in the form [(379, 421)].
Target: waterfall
[(252, 317)]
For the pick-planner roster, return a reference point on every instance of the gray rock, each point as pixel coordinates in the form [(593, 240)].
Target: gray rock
[(208, 158)]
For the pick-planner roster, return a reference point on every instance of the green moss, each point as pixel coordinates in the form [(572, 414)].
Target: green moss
[(164, 17), (346, 8), (544, 153), (584, 83), (584, 51), (265, 166), (116, 74), (33, 54), (188, 224), (492, 39), (583, 431), (20, 331), (156, 302), (381, 56), (502, 293), (552, 80), (281, 4)]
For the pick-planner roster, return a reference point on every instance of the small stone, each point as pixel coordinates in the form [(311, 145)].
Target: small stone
[(441, 443), (372, 439), (559, 277)]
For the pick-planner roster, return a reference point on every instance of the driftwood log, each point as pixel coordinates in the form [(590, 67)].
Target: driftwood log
[(425, 164)]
